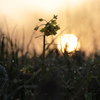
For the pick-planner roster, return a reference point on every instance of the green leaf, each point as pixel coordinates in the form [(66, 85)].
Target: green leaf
[(36, 28), (53, 22), (40, 19), (57, 27), (54, 33), (43, 29)]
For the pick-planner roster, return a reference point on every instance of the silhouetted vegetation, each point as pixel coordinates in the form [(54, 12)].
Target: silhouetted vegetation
[(69, 77)]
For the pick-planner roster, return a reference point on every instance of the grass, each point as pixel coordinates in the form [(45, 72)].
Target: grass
[(63, 77)]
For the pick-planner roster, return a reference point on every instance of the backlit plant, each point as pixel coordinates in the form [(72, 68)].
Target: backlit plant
[(50, 28)]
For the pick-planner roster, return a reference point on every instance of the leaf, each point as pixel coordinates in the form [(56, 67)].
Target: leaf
[(53, 22), (57, 27), (36, 28), (23, 70), (40, 19), (43, 29)]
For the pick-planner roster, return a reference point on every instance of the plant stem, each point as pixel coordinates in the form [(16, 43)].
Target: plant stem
[(43, 56)]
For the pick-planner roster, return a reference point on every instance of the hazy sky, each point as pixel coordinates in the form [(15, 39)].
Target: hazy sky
[(80, 16)]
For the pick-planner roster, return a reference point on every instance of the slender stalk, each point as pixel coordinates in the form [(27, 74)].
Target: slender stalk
[(43, 56)]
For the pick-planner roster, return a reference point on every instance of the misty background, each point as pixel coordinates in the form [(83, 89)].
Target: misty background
[(78, 17)]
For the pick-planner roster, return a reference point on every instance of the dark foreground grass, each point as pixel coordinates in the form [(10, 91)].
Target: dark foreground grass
[(65, 77)]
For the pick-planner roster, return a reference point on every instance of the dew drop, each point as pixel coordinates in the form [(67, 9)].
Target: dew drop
[(75, 71), (80, 68), (12, 60), (47, 69)]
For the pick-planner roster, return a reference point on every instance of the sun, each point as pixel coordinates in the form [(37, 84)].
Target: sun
[(68, 42)]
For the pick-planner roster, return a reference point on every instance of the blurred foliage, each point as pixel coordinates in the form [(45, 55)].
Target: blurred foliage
[(3, 76)]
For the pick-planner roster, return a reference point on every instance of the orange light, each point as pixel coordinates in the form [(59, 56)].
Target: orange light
[(68, 42)]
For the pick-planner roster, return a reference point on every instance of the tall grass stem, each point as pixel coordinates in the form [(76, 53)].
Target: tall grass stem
[(43, 56)]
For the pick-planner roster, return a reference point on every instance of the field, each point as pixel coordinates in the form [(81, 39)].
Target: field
[(71, 76)]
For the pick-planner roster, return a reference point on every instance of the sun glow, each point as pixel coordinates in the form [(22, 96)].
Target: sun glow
[(68, 42)]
